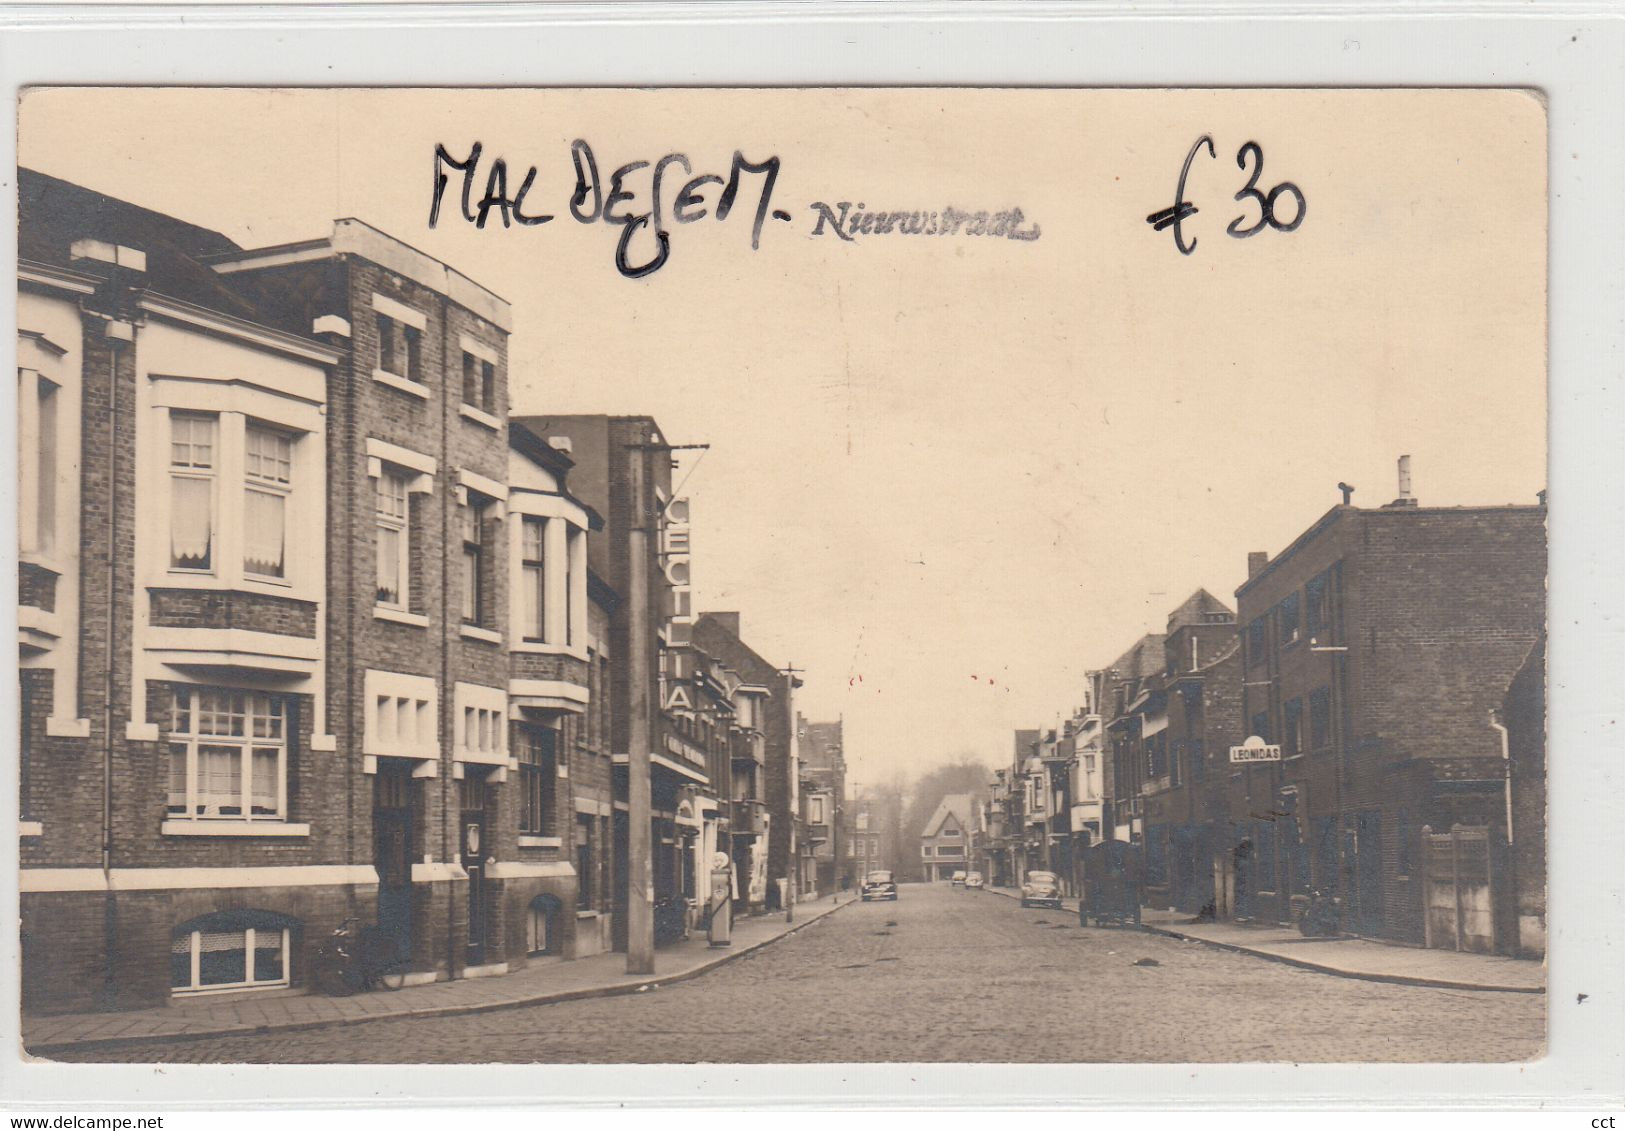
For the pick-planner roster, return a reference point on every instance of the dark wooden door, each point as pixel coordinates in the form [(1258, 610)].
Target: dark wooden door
[(475, 853), (392, 854), (1368, 872)]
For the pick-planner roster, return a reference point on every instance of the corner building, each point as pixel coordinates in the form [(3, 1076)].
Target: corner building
[(1377, 650), (306, 634)]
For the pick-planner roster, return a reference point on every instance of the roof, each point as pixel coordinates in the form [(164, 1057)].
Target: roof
[(714, 637), (52, 214), (1024, 742), (1195, 610), (958, 805), (1381, 514), (1143, 659)]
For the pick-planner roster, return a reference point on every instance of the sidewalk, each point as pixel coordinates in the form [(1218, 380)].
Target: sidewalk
[(1348, 957), (546, 980)]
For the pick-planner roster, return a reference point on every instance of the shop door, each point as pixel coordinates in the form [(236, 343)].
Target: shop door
[(475, 855), (392, 853), (1368, 872)]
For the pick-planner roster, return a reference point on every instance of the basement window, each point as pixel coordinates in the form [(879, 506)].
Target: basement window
[(231, 950)]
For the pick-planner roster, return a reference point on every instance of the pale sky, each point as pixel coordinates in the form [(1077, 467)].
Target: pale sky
[(939, 457)]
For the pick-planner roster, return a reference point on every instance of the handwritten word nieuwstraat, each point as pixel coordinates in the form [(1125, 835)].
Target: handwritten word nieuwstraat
[(849, 222)]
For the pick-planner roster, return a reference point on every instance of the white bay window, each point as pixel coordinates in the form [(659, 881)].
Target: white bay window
[(210, 536)]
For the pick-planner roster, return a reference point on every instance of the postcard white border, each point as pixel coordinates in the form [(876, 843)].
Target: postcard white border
[(1570, 53)]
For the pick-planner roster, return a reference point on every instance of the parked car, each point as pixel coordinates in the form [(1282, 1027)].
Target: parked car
[(1041, 889), (879, 885), (959, 879), (974, 880)]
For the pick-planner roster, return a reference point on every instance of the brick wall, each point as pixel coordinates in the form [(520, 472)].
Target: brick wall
[(215, 608), (36, 586), (1432, 610)]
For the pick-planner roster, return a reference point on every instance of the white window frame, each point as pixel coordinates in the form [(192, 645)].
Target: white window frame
[(416, 472), (197, 989), (246, 744), (400, 525), (401, 318), (302, 515), (280, 487), (189, 471)]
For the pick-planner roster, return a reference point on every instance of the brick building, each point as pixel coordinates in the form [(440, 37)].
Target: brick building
[(1524, 716), (759, 751), (1374, 650), (869, 836), (1186, 802), (822, 788), (306, 631), (623, 467)]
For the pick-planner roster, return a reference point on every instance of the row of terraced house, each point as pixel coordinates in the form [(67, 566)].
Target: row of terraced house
[(314, 625), (1366, 723)]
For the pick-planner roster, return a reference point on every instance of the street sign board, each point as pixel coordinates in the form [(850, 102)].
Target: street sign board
[(1255, 749)]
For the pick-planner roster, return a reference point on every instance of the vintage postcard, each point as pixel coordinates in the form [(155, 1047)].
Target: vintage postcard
[(557, 576)]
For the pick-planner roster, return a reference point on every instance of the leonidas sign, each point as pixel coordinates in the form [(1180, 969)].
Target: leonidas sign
[(1255, 749)]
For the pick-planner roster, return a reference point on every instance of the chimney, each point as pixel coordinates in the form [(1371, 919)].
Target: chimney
[(1256, 561), (1405, 499), (729, 621), (101, 257)]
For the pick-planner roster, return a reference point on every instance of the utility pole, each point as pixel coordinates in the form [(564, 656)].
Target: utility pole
[(792, 866), (640, 896), (640, 913)]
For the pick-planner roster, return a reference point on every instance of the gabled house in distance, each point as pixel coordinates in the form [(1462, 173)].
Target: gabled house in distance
[(945, 836)]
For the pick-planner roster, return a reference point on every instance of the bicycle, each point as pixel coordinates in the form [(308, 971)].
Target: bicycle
[(357, 958)]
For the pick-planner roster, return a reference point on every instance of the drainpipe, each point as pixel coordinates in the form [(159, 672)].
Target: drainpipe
[(1506, 760), (116, 333)]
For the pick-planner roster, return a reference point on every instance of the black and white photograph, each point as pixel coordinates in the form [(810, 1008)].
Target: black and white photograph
[(844, 575)]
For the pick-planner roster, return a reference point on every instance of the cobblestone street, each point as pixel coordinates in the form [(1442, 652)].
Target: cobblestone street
[(946, 975)]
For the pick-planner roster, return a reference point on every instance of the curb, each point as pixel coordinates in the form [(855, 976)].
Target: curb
[(42, 1050), (1334, 971), (1339, 972)]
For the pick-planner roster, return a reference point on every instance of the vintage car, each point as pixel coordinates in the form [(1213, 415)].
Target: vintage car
[(1111, 885), (879, 885), (1041, 889), (959, 879), (974, 880)]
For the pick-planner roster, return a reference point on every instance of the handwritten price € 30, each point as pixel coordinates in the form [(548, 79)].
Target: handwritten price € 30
[(1182, 209)]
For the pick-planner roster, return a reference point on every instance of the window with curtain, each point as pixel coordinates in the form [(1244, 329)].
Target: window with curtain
[(193, 453), (392, 506), (232, 950), (228, 753), (534, 581), (268, 480)]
